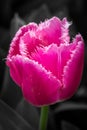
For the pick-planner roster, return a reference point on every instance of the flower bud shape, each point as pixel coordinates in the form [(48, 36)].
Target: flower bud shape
[(45, 63)]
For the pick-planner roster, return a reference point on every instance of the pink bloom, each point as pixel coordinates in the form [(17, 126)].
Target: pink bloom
[(43, 62)]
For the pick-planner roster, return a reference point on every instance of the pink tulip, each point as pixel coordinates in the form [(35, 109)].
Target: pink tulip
[(44, 63)]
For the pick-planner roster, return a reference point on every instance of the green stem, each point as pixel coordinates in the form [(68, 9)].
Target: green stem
[(43, 118)]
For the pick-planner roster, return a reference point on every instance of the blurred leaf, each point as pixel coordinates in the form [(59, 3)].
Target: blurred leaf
[(29, 113), (16, 23), (10, 120), (10, 93)]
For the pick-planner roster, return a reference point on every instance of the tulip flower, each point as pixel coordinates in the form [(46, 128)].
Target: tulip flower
[(44, 63)]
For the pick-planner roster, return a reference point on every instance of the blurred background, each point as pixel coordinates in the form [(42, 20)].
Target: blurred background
[(15, 112)]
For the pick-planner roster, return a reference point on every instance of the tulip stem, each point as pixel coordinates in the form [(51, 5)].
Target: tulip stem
[(43, 118)]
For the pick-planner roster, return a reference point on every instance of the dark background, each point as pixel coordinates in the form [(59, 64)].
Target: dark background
[(15, 112)]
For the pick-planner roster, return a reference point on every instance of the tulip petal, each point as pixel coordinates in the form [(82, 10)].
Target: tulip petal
[(65, 38), (28, 44), (47, 57), (73, 69), (39, 86), (14, 46), (49, 31), (53, 58), (53, 31), (16, 69)]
